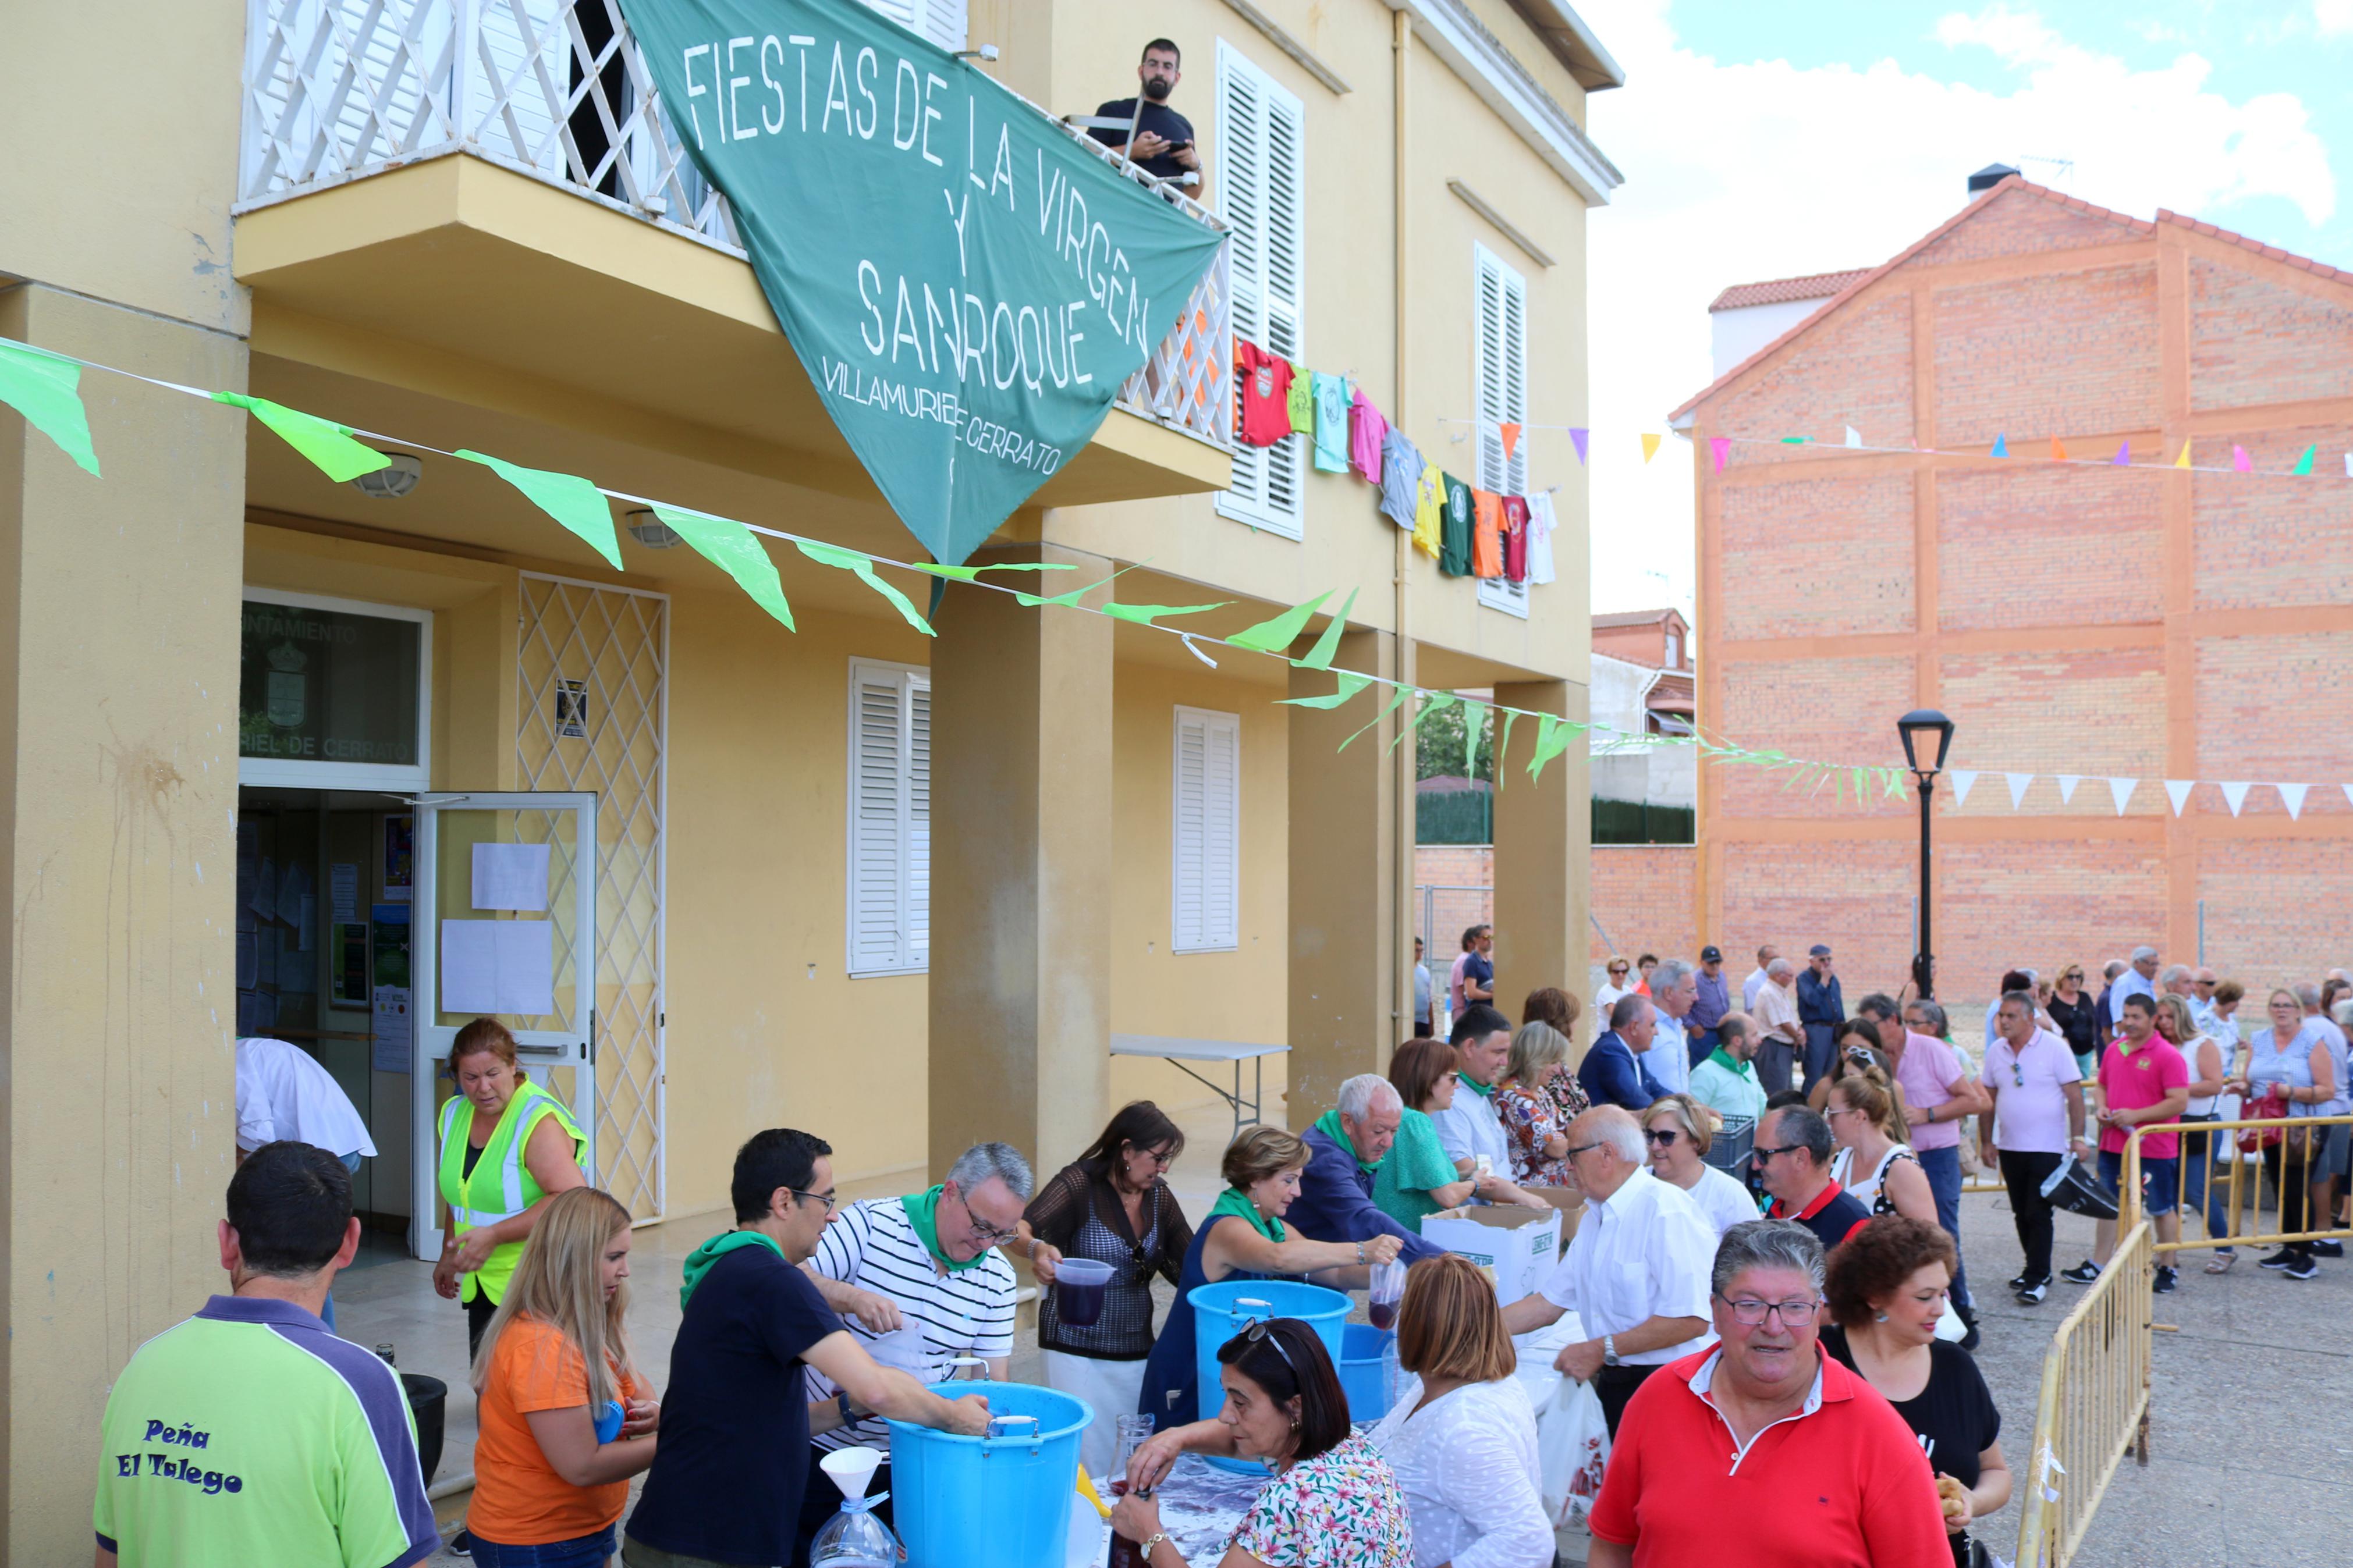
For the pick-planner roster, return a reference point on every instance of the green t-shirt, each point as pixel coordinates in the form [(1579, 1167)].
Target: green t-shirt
[(1417, 1163), (249, 1433), (1454, 529)]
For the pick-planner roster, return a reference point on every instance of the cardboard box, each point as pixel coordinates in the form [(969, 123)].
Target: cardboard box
[(1517, 1248), (1570, 1202)]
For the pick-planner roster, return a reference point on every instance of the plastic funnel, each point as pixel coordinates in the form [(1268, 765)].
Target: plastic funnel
[(851, 1468)]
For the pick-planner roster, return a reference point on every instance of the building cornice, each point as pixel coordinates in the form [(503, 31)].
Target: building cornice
[(1456, 35)]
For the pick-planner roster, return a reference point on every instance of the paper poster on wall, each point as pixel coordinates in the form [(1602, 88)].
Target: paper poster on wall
[(398, 858), (511, 876), (306, 921), (343, 890), (390, 1032), (298, 965), (388, 944), (498, 966)]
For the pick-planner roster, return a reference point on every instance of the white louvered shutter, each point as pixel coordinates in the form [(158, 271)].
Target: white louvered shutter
[(941, 21), (1261, 182), (1205, 881), (1502, 375), (890, 818)]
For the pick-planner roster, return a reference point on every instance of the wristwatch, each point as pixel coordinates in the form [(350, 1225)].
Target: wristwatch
[(1609, 1350), (841, 1403), (1145, 1551)]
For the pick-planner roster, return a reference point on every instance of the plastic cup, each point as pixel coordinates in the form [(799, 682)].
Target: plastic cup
[(1079, 1284)]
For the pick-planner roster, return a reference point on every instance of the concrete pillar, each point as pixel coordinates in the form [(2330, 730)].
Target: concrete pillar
[(118, 617), (1021, 866), (1343, 884), (1544, 848)]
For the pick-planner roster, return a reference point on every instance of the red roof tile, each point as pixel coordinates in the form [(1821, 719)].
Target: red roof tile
[(1783, 291)]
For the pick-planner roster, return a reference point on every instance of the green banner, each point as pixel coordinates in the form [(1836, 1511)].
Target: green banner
[(965, 283)]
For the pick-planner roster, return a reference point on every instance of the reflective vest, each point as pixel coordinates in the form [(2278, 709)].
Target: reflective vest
[(502, 1186)]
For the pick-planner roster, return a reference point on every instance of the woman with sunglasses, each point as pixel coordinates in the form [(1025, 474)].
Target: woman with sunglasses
[(1678, 1131), (1243, 1237), (1872, 1162), (2076, 1016), (1616, 988), (1887, 1291), (1334, 1499), (1110, 1205)]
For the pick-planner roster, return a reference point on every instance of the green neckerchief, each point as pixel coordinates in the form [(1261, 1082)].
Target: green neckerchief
[(1738, 1069), (1484, 1090), (699, 1261), (1328, 1124), (923, 1213), (1236, 1202)]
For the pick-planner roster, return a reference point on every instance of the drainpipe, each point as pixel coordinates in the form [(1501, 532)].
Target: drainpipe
[(1401, 935)]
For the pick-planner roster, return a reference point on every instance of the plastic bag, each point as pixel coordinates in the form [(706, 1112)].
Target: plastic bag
[(1572, 1449)]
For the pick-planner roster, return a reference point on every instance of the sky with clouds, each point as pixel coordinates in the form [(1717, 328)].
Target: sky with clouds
[(1768, 141)]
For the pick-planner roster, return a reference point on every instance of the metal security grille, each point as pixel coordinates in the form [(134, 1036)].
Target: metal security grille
[(591, 714)]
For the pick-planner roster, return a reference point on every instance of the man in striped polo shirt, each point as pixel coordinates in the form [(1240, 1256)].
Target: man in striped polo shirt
[(248, 1433), (918, 1281)]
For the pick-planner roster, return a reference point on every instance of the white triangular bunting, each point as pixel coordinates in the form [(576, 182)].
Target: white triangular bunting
[(1853, 437), (2291, 798), (2121, 790), (2234, 795), (2018, 784), (2178, 791), (1965, 780), (2067, 782), (2349, 793)]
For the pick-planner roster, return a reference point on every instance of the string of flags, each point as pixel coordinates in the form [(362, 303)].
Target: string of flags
[(2235, 792), (1468, 532)]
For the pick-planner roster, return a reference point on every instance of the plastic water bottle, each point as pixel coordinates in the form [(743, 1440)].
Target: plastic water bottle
[(854, 1537)]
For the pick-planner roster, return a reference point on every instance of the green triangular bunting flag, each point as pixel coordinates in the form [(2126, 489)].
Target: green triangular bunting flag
[(1320, 656), (1396, 702), (734, 550), (2304, 463), (567, 498), (1274, 635), (850, 560), (1431, 702), (45, 389), (972, 573), (1350, 684), (1144, 614), (327, 446)]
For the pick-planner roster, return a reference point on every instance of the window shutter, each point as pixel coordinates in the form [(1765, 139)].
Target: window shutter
[(1205, 881), (890, 818), (1502, 389), (1261, 178)]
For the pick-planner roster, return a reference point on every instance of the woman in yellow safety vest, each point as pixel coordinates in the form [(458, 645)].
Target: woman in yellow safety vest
[(507, 1146)]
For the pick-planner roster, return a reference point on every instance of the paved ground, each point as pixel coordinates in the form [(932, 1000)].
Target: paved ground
[(2249, 1430)]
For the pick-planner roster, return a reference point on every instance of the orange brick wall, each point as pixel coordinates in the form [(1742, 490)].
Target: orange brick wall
[(1641, 897), (2090, 621)]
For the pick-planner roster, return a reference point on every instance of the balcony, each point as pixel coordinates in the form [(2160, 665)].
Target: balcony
[(357, 226)]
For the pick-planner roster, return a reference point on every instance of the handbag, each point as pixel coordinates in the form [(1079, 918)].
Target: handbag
[(2273, 1104)]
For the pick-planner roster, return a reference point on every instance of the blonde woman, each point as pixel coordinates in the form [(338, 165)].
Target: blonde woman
[(1872, 1160), (1678, 1131), (548, 1486), (1533, 1125), (1243, 1237)]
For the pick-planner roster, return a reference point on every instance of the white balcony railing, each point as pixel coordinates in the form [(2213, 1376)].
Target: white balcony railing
[(336, 90)]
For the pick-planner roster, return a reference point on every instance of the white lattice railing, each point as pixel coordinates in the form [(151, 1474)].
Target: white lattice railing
[(558, 89)]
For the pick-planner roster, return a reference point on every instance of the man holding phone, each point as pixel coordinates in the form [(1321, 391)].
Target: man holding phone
[(1163, 145)]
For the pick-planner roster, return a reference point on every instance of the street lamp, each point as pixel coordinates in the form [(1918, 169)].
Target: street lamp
[(1914, 726)]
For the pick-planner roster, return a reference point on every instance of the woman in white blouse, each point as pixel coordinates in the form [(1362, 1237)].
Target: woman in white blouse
[(1677, 1130), (1462, 1436)]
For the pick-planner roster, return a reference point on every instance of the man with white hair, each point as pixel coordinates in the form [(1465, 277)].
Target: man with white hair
[(1781, 1038), (2139, 980), (1758, 976), (1674, 987), (1636, 1273), (1345, 1151)]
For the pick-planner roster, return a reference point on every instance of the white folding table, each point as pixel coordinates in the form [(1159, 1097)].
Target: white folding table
[(1177, 1052)]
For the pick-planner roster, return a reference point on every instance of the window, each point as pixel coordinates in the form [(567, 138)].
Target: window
[(1260, 180), (1205, 872), (890, 818), (1674, 650), (941, 21), (332, 693), (1501, 386)]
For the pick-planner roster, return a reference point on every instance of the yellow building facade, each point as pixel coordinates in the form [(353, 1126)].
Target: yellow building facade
[(275, 739)]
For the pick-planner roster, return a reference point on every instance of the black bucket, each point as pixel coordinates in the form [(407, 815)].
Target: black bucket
[(427, 1399)]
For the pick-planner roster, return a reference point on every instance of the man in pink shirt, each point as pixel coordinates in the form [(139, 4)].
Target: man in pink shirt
[(2143, 1078), (1938, 1096)]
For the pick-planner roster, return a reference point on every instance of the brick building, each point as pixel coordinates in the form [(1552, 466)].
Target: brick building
[(2092, 620)]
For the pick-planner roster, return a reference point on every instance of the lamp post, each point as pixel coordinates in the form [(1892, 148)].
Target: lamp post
[(1921, 723)]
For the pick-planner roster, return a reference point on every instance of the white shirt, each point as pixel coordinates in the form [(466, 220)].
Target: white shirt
[(1722, 1201), (1467, 1466), (283, 1092), (1756, 977), (1669, 1057), (1643, 1252), (2338, 1043), (1603, 998), (1470, 1128), (2131, 983), (1541, 523)]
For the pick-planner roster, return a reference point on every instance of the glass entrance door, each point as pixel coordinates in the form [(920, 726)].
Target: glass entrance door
[(506, 902)]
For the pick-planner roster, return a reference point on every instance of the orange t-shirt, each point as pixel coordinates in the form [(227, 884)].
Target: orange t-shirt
[(518, 1499), (1486, 534)]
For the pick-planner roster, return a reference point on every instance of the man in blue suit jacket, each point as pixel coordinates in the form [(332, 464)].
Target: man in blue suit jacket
[(1346, 1148), (1613, 1071)]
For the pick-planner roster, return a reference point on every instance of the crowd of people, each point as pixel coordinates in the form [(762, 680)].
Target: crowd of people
[(1769, 1211)]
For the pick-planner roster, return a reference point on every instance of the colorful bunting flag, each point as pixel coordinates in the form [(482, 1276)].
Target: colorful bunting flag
[(2121, 791), (2018, 785), (1553, 734), (327, 444), (850, 560), (1853, 437), (1964, 780), (2000, 445), (1145, 615), (47, 390), (1397, 701), (1350, 684), (2240, 460), (2067, 782), (2058, 452), (2183, 461), (2234, 795), (1278, 634), (1578, 436), (1431, 702), (2292, 796), (972, 573), (2304, 463), (2123, 459), (1510, 432), (729, 546), (1650, 445), (570, 500), (1719, 445)]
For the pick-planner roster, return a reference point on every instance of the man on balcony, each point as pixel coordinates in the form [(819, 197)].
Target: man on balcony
[(1163, 145)]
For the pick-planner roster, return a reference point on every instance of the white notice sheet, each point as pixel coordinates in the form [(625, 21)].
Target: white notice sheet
[(498, 966), (511, 876)]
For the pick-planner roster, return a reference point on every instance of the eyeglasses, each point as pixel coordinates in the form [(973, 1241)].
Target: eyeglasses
[(1576, 1149), (827, 1199), (983, 1232), (1750, 1314), (1660, 1137), (1761, 1154)]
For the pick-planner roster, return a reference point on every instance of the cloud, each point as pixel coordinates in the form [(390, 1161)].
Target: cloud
[(1747, 171), (2332, 16)]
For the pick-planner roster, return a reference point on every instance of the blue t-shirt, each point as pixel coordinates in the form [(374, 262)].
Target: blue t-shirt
[(727, 1481), (1331, 423)]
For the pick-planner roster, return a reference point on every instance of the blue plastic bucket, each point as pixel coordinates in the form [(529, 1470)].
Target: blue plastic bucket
[(1364, 1375), (1001, 1502), (1217, 1319)]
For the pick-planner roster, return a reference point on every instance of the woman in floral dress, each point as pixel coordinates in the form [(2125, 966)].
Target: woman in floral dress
[(1334, 1501), (1533, 1123), (1557, 1007)]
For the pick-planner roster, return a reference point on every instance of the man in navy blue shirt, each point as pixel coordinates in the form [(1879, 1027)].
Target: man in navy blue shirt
[(1163, 146), (1613, 1072), (1346, 1148), (1821, 1008), (1709, 1007)]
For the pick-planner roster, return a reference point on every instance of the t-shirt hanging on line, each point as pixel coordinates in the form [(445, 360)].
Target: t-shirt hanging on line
[(1331, 423), (1454, 537), (1429, 510), (1366, 428), (1541, 522), (1515, 538), (1266, 394), (1486, 534), (1402, 471)]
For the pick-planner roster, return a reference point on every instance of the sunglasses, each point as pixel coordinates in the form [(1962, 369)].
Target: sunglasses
[(1259, 1334), (1762, 1155), (1660, 1137)]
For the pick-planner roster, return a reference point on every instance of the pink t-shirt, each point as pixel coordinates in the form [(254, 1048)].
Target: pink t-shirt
[(1929, 1066), (2131, 1079), (1366, 428), (2030, 1106)]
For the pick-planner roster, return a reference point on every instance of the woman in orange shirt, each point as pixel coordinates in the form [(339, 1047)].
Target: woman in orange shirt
[(548, 1485)]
